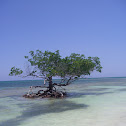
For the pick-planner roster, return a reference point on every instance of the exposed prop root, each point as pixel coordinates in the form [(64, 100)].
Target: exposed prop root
[(46, 94)]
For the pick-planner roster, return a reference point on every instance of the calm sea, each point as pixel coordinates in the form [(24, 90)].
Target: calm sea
[(90, 102)]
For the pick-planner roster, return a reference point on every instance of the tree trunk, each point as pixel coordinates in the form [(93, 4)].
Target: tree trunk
[(50, 92), (50, 84)]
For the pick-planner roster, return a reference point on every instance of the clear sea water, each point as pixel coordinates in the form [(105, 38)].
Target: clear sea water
[(90, 102)]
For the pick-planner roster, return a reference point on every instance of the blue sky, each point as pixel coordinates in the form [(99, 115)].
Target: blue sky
[(90, 27)]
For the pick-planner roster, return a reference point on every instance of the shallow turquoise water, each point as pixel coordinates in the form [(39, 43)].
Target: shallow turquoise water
[(90, 102)]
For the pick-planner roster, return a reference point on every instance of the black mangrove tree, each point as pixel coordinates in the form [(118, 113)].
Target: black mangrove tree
[(50, 64)]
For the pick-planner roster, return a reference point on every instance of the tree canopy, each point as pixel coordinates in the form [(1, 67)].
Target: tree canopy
[(48, 63)]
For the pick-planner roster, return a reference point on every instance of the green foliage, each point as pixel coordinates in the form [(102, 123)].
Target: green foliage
[(15, 71), (51, 64), (77, 65)]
